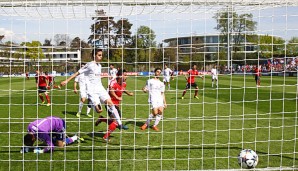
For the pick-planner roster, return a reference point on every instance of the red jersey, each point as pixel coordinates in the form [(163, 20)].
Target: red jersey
[(50, 78), (42, 81), (118, 89), (257, 72), (192, 73)]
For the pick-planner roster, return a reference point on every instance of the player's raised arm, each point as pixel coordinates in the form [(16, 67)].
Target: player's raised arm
[(63, 83)]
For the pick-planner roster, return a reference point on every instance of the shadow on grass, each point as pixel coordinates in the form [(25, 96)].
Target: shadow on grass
[(139, 124), (68, 113)]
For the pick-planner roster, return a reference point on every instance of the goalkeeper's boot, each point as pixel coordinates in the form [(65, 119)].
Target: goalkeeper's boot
[(155, 128), (80, 139), (196, 97), (144, 127), (78, 114)]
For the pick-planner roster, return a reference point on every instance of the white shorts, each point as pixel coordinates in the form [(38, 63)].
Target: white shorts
[(156, 104), (214, 77), (83, 92), (98, 97), (166, 79)]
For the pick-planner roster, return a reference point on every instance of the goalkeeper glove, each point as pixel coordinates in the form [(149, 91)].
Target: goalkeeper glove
[(38, 150)]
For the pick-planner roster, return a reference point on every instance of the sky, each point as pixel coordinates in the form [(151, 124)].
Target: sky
[(166, 22)]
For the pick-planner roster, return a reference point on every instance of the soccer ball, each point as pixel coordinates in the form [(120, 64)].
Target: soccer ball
[(248, 159)]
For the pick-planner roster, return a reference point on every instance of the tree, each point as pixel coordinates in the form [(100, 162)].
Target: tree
[(101, 29), (1, 38), (83, 46), (32, 50), (47, 42), (233, 28), (292, 47), (268, 46), (122, 33), (62, 40)]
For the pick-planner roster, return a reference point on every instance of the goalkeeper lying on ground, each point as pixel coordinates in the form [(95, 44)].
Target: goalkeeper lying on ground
[(49, 130)]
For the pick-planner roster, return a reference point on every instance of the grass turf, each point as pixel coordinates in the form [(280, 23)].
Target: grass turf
[(194, 134)]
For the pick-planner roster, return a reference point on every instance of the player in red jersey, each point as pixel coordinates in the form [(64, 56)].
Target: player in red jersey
[(42, 84), (116, 89), (190, 78), (51, 81), (27, 75), (257, 74)]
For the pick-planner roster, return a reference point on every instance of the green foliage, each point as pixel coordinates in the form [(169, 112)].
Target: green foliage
[(292, 47), (32, 50)]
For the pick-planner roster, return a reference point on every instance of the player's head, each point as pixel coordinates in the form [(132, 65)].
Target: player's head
[(97, 55), (166, 66), (29, 139), (157, 72), (194, 66), (111, 66), (83, 64), (46, 73), (121, 76)]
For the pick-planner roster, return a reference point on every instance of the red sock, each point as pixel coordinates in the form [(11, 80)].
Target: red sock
[(112, 128), (41, 98), (48, 98), (184, 92)]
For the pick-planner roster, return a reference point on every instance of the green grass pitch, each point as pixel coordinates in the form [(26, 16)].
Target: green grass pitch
[(195, 134)]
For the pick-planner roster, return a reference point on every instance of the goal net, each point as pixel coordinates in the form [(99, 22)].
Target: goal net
[(232, 85)]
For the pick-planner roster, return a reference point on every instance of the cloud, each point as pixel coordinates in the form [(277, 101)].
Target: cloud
[(11, 36)]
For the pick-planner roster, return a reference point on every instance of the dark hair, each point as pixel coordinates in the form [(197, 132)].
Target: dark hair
[(46, 73), (157, 69), (120, 72), (111, 64), (95, 51), (28, 140)]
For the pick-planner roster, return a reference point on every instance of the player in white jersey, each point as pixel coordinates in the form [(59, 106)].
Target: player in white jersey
[(82, 80), (214, 74), (156, 99), (167, 74), (112, 74), (95, 90)]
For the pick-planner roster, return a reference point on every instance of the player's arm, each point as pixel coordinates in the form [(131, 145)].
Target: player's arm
[(145, 89), (164, 99), (128, 93), (186, 76), (63, 83), (47, 139), (75, 87), (172, 75), (112, 93)]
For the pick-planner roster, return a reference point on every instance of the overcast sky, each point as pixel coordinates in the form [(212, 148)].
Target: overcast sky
[(281, 21)]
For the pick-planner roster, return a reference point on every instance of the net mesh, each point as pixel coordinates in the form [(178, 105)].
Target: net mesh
[(233, 113)]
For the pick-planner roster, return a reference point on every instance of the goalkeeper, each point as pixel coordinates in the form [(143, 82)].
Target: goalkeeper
[(49, 130)]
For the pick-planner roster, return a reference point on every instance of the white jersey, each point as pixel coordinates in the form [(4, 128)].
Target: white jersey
[(92, 71), (82, 80), (155, 88), (214, 73), (113, 73), (167, 72)]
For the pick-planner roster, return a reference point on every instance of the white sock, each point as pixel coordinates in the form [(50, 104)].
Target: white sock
[(74, 138), (169, 86), (115, 114), (81, 104), (151, 116), (157, 119), (88, 110)]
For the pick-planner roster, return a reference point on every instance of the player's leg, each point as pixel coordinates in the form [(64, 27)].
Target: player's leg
[(154, 111), (184, 92), (158, 117), (47, 95), (40, 94), (196, 90), (212, 81)]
